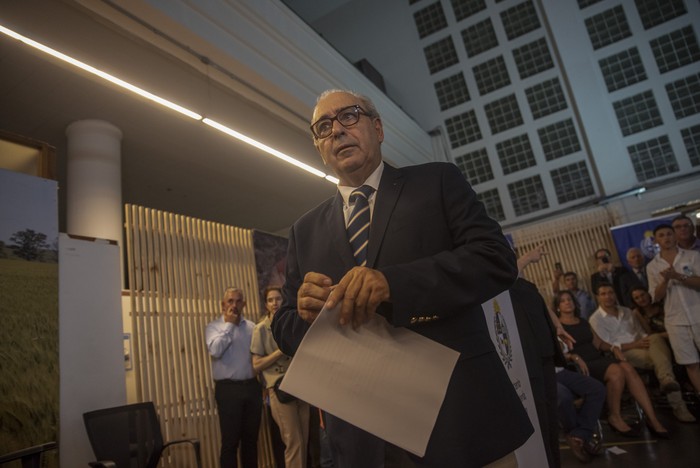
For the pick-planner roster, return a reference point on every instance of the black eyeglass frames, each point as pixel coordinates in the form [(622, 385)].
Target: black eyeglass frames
[(347, 117)]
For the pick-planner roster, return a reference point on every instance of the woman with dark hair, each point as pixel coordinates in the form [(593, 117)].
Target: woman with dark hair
[(614, 372), (292, 417), (650, 314)]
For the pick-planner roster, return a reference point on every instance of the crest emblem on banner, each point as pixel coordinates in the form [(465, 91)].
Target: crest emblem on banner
[(503, 340)]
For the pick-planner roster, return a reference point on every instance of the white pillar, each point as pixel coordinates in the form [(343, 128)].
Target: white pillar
[(94, 185)]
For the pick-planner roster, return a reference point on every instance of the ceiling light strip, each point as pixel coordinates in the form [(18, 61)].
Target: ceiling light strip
[(265, 148), (164, 102), (100, 73)]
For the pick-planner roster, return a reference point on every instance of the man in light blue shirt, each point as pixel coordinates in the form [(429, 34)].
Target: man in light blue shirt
[(237, 391)]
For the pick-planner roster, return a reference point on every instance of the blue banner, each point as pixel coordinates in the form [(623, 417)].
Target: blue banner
[(638, 234)]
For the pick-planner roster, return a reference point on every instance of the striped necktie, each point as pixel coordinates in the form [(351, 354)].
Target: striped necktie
[(358, 224)]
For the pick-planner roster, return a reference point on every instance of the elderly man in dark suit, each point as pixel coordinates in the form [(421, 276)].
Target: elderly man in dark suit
[(431, 257)]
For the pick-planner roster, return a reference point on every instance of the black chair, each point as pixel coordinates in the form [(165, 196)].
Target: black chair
[(30, 457), (129, 437)]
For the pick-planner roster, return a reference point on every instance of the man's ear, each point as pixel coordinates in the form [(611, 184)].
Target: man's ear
[(379, 128), (325, 163)]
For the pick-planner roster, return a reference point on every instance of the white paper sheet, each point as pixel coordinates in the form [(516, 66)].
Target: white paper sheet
[(388, 381)]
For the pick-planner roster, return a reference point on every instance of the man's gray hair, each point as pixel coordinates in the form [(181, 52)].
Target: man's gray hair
[(367, 104), (234, 289)]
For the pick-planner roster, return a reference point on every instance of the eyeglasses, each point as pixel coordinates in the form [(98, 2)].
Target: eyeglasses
[(347, 117)]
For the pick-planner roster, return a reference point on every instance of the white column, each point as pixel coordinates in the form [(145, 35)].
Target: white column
[(94, 186)]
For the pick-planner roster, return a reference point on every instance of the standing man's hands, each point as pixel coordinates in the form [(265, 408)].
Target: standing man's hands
[(312, 295), (360, 292)]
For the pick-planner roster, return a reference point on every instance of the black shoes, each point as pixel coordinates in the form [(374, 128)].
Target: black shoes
[(632, 432), (577, 448), (659, 434)]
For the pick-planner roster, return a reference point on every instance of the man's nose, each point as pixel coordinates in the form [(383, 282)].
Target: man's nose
[(338, 128)]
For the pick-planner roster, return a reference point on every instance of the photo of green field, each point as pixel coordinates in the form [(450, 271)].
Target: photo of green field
[(29, 374), (28, 355)]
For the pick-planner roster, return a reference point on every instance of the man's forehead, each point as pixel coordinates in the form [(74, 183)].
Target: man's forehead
[(329, 105)]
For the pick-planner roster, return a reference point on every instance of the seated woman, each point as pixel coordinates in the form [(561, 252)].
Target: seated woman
[(650, 314), (614, 372)]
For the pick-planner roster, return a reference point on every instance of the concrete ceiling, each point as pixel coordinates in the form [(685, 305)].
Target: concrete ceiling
[(169, 162)]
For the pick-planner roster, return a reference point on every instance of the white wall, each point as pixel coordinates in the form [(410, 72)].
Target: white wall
[(91, 353)]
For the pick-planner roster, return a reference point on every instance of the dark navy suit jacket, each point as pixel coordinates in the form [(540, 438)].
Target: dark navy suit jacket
[(442, 257)]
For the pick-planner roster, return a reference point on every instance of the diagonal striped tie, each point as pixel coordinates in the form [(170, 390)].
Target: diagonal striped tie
[(358, 225)]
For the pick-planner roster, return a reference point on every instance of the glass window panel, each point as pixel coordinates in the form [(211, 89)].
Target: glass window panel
[(520, 19), (675, 49), (463, 129), (440, 55), (622, 69), (503, 114), (430, 19), (653, 158), (491, 75), (528, 195), (546, 98), (479, 37), (559, 139), (475, 166), (637, 113), (572, 182), (515, 154), (533, 58), (452, 91), (608, 27)]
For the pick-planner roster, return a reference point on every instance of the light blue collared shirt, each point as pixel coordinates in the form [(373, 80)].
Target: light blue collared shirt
[(229, 347)]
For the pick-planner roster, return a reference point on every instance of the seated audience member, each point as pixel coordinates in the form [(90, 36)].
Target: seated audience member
[(650, 314), (685, 233), (579, 424), (618, 326), (292, 417), (606, 272), (615, 372), (674, 277), (635, 276), (585, 301)]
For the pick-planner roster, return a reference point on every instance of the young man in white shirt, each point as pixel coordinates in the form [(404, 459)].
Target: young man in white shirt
[(673, 278)]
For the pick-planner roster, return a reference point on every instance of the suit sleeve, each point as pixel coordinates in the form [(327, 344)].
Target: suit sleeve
[(477, 264), (288, 328)]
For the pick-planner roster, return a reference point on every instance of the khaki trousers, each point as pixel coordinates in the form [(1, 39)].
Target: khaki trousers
[(657, 357), (293, 421)]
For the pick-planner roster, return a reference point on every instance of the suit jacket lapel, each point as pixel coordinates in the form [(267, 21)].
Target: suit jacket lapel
[(338, 233), (387, 195)]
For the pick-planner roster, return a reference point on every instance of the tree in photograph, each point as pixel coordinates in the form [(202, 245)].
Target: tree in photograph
[(28, 244)]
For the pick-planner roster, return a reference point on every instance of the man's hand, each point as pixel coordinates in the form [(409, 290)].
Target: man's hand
[(360, 292), (312, 294), (642, 343), (232, 315)]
